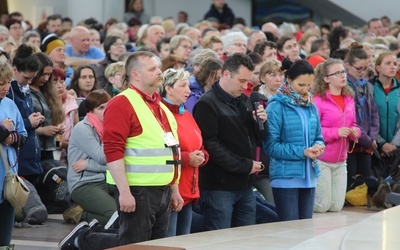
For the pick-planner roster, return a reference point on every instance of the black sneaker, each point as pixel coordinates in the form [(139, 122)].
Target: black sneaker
[(68, 242), (93, 223), (379, 198)]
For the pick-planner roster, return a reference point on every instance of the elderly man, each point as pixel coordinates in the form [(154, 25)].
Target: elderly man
[(255, 37), (79, 51), (234, 42), (271, 28), (153, 33)]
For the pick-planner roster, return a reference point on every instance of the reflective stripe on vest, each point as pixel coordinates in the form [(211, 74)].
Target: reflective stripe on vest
[(146, 155)]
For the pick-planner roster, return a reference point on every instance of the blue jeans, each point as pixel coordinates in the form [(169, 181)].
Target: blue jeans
[(265, 211), (294, 203), (180, 222), (148, 222), (7, 215), (224, 209)]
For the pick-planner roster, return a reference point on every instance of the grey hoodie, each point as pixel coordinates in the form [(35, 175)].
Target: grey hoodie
[(85, 143)]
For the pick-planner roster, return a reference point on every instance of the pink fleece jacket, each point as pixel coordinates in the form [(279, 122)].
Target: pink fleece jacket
[(333, 118)]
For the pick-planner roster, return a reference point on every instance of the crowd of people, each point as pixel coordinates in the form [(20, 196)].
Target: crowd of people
[(181, 128)]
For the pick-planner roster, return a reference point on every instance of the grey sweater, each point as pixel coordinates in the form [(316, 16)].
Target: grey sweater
[(85, 143)]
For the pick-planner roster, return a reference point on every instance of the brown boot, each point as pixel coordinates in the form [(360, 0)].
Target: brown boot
[(379, 198)]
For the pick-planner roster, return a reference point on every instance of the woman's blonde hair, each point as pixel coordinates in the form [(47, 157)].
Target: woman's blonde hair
[(270, 66), (6, 71), (170, 77)]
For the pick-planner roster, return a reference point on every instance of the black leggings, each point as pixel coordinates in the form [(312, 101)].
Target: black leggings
[(358, 164)]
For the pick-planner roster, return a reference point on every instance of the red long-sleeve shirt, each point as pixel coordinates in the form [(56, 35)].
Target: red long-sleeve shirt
[(121, 122)]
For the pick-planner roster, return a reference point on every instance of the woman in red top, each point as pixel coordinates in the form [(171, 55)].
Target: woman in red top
[(175, 92)]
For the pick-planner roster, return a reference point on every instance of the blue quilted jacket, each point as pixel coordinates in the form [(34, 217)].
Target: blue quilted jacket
[(286, 139)]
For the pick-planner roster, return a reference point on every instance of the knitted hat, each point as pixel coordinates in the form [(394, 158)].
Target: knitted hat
[(51, 42), (314, 60)]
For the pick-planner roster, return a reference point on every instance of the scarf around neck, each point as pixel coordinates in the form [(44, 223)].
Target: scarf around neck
[(295, 98), (360, 88), (96, 123)]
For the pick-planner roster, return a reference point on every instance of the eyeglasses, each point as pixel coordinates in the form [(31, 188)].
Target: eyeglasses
[(240, 44), (324, 48), (118, 44), (186, 46), (359, 69), (5, 83), (85, 77), (338, 73)]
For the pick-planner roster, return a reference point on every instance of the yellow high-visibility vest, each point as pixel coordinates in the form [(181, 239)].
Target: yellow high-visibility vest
[(147, 159)]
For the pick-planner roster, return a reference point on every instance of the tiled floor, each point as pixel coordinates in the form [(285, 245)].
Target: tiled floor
[(353, 228)]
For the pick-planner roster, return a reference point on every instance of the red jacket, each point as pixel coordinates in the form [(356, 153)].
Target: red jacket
[(190, 139)]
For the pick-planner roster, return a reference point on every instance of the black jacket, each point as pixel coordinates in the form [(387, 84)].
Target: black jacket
[(225, 17), (229, 135)]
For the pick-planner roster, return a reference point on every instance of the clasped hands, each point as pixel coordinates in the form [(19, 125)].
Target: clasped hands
[(346, 131), (315, 151)]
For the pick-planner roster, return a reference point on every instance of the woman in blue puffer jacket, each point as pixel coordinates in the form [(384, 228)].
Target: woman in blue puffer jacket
[(294, 141)]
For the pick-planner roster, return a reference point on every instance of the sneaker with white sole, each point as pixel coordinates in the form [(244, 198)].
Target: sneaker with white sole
[(68, 243)]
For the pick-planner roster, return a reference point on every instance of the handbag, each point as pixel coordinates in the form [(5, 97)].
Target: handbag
[(15, 190)]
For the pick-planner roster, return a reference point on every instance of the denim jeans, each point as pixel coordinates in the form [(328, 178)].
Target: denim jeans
[(7, 215), (294, 203), (225, 209), (148, 222), (265, 211), (180, 222)]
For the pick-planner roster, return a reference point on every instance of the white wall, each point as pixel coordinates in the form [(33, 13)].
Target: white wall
[(195, 8), (367, 9), (78, 10), (102, 10)]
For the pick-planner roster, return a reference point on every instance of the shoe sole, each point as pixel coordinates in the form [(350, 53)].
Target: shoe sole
[(76, 228)]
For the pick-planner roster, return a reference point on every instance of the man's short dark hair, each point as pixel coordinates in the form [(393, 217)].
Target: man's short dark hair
[(259, 48), (14, 14), (165, 40), (233, 63), (66, 19), (205, 31), (183, 13), (54, 17), (373, 20), (134, 22)]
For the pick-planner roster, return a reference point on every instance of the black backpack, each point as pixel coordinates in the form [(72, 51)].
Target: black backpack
[(53, 187), (383, 166)]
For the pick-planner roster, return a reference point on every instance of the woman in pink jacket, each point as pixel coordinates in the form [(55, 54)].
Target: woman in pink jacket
[(335, 104)]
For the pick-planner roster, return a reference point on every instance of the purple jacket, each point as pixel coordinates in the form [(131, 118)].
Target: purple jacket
[(196, 92), (332, 118)]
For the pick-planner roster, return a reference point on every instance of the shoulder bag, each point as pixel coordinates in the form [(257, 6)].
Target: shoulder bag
[(15, 190)]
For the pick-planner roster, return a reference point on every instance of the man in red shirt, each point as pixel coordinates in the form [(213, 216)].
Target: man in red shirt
[(139, 133)]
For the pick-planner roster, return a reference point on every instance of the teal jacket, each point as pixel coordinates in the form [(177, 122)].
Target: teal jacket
[(285, 142), (387, 109)]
